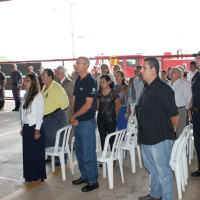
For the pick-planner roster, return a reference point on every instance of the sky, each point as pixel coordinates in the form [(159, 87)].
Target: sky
[(42, 29)]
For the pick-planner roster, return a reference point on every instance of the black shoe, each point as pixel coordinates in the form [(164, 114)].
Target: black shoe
[(47, 161), (90, 186), (196, 174), (149, 197), (15, 109), (80, 181), (57, 164)]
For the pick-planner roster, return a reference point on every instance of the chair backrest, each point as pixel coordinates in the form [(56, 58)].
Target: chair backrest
[(119, 136), (65, 132), (177, 150)]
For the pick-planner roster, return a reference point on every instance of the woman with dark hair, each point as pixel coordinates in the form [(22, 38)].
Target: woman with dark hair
[(122, 90), (105, 70), (32, 132), (108, 109)]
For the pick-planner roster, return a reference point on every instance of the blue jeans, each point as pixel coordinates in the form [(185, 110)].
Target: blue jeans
[(156, 160), (85, 147)]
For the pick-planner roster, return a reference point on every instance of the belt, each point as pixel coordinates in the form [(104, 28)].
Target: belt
[(14, 83), (195, 109), (181, 107), (52, 112)]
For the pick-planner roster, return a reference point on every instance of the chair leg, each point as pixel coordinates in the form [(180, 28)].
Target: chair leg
[(53, 163), (121, 170), (62, 164), (110, 174), (139, 155), (132, 156), (104, 170), (72, 147), (71, 163), (178, 182)]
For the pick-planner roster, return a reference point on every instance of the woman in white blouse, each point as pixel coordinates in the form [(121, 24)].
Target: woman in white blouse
[(33, 133)]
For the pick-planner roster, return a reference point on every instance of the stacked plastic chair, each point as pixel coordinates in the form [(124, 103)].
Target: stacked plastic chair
[(178, 161)]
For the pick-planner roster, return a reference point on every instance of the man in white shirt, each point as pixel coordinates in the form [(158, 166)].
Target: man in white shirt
[(138, 85), (183, 96), (193, 71)]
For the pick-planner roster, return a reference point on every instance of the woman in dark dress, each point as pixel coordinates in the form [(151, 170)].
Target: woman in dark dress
[(108, 109), (33, 133)]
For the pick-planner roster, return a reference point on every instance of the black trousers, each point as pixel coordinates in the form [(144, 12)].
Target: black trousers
[(196, 133), (106, 126)]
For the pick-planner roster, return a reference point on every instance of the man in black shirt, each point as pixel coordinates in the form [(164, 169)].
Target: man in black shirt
[(83, 119), (157, 122), (2, 89), (195, 108)]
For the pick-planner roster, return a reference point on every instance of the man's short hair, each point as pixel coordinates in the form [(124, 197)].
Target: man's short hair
[(14, 65), (50, 73), (164, 71), (85, 59), (193, 63), (139, 67), (153, 63), (61, 69)]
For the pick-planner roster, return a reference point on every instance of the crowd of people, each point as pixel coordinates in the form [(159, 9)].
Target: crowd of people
[(165, 102)]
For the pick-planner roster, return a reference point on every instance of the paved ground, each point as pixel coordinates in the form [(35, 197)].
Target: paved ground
[(12, 185)]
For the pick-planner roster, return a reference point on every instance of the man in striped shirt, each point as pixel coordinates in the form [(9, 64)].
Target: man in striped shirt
[(157, 122)]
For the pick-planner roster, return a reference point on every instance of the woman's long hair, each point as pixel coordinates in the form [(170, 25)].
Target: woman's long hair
[(33, 90), (124, 82)]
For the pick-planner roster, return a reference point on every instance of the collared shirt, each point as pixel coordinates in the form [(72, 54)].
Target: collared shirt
[(191, 75), (16, 76), (55, 97), (155, 108), (139, 90), (196, 90), (62, 80), (86, 87), (186, 81), (182, 92)]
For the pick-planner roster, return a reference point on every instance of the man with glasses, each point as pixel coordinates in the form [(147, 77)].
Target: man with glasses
[(83, 105)]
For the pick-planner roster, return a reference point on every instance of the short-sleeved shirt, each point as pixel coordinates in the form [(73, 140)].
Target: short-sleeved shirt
[(16, 76), (55, 97), (2, 79), (155, 108), (86, 87), (107, 104), (196, 90)]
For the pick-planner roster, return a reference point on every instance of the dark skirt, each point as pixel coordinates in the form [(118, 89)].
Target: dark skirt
[(33, 154)]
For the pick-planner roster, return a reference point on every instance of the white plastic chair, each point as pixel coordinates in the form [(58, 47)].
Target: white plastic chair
[(187, 132), (98, 143), (176, 164), (108, 157), (130, 144), (190, 147), (61, 151)]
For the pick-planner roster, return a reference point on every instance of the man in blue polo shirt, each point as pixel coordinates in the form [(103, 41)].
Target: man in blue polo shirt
[(83, 119)]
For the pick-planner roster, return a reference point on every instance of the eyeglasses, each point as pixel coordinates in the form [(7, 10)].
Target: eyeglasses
[(81, 63), (27, 81)]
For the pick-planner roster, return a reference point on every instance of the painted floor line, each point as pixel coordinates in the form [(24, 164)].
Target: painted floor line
[(31, 186), (14, 131), (11, 179)]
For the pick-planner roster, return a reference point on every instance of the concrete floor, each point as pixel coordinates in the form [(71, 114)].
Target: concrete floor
[(12, 185)]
